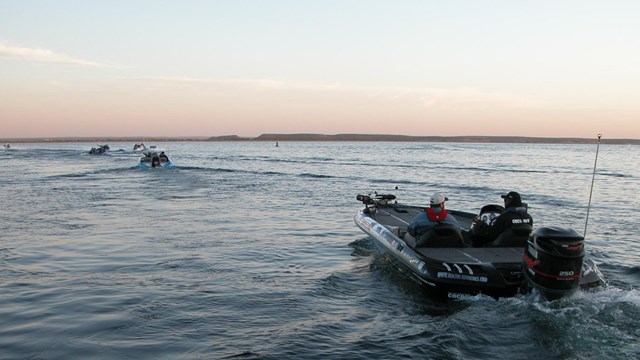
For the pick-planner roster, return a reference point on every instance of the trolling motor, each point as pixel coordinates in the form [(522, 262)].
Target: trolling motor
[(365, 199), (379, 199), (372, 204)]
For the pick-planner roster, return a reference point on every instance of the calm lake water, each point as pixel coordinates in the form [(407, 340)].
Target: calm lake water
[(245, 250)]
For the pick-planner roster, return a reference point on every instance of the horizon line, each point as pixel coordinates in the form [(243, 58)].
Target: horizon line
[(336, 137)]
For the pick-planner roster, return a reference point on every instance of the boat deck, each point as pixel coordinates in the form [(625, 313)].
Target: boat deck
[(398, 217)]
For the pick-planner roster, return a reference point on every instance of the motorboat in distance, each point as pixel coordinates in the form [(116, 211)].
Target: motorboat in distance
[(549, 259), (100, 150), (139, 147), (154, 158)]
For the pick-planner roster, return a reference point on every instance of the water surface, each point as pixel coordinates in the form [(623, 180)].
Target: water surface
[(249, 251)]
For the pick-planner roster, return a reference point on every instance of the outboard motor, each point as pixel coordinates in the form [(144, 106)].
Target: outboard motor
[(552, 261), (155, 161)]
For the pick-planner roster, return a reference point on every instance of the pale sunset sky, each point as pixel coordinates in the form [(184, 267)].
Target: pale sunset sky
[(246, 67)]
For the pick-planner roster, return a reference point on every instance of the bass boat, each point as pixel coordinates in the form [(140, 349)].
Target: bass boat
[(100, 150), (548, 259), (154, 158)]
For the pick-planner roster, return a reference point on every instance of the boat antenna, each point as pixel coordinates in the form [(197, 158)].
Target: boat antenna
[(593, 177)]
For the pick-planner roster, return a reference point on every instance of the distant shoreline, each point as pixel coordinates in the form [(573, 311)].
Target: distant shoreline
[(338, 137)]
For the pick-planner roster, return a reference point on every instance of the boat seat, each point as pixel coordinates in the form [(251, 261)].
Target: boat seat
[(443, 235), (409, 240), (515, 236)]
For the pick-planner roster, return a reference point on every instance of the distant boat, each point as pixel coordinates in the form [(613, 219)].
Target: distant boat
[(276, 144), (154, 159), (139, 147), (100, 150), (7, 146)]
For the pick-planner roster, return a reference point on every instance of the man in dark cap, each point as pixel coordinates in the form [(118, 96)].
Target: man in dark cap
[(515, 213)]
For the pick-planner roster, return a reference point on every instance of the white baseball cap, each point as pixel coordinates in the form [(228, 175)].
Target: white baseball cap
[(438, 198)]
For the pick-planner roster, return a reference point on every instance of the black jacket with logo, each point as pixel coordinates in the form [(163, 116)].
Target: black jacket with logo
[(510, 216)]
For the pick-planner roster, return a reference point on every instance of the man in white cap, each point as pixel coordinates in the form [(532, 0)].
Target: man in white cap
[(434, 214)]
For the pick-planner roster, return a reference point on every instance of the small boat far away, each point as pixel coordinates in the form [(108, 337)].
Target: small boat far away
[(100, 150), (154, 158), (139, 147), (447, 263)]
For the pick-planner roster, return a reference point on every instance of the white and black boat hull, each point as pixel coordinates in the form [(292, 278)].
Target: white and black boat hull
[(494, 271)]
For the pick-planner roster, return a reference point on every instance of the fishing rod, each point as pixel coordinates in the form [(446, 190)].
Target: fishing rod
[(593, 177)]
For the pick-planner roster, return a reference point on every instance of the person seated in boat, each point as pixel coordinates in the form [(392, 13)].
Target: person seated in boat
[(163, 157), (432, 216), (514, 215)]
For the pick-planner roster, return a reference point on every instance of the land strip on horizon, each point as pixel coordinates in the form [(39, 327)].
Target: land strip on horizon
[(337, 137)]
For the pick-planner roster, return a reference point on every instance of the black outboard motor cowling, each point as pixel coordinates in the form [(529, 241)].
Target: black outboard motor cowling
[(552, 261), (155, 161)]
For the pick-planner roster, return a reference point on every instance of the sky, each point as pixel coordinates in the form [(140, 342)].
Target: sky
[(248, 67)]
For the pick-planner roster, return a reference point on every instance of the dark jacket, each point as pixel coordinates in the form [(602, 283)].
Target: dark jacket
[(509, 217)]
